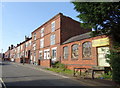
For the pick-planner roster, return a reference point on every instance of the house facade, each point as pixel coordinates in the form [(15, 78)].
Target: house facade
[(61, 39), (47, 39)]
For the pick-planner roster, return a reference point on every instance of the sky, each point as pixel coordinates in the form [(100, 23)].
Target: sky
[(21, 18)]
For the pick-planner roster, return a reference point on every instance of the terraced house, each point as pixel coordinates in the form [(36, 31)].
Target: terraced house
[(61, 39), (47, 39)]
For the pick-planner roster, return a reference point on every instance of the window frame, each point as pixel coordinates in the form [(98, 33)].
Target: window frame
[(72, 52), (87, 58), (42, 43), (52, 39), (42, 32), (53, 26), (67, 53)]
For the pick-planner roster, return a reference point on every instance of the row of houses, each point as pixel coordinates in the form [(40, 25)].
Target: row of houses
[(61, 39)]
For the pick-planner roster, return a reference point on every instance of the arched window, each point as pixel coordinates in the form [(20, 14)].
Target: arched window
[(74, 51), (86, 50), (65, 52)]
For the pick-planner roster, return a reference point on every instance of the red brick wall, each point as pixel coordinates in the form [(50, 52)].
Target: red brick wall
[(80, 62), (45, 63), (70, 28), (17, 60)]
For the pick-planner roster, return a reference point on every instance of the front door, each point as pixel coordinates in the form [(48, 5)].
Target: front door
[(102, 51)]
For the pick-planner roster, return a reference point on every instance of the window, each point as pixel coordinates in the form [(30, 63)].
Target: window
[(26, 44), (30, 43), (53, 26), (86, 49), (41, 43), (34, 36), (21, 47), (65, 52), (42, 32), (52, 39), (75, 51), (47, 54), (40, 54), (34, 46)]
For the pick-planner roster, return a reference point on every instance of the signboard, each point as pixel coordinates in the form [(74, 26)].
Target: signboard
[(100, 42)]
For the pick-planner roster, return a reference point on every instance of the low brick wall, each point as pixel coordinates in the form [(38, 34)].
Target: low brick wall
[(45, 63), (17, 60)]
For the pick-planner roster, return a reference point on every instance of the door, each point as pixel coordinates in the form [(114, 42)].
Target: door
[(102, 51)]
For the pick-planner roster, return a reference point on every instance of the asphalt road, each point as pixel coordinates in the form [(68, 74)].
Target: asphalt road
[(18, 75)]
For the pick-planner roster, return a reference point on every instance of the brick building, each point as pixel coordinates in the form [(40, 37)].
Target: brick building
[(23, 51), (85, 51), (47, 39), (61, 39)]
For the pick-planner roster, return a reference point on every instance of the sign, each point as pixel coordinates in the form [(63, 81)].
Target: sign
[(100, 42)]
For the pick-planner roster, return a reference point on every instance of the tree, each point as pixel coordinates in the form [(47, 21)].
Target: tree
[(104, 18)]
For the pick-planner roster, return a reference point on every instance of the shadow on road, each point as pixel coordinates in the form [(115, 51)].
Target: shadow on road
[(51, 83)]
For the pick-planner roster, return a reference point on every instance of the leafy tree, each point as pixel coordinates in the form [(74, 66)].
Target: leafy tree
[(104, 18)]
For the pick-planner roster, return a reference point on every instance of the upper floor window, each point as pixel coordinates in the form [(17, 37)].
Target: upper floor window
[(65, 52), (86, 49), (42, 32), (53, 26), (26, 44), (34, 36), (75, 51), (52, 39), (30, 42), (21, 47), (34, 46), (41, 43)]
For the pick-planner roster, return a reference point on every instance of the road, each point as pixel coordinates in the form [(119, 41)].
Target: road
[(20, 75)]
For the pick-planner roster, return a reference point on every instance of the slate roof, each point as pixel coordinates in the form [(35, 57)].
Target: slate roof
[(78, 38)]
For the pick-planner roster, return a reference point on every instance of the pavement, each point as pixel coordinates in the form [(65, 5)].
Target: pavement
[(31, 75)]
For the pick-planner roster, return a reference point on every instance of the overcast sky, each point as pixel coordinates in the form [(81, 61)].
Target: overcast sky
[(21, 18)]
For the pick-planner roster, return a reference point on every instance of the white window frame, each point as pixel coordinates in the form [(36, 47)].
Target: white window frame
[(47, 54), (34, 36), (53, 26), (42, 43), (52, 39), (42, 32), (34, 46), (30, 42)]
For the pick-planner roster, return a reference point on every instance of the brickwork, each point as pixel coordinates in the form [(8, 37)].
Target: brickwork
[(80, 61), (45, 63)]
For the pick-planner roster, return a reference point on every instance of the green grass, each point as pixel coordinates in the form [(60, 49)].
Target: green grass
[(59, 70), (106, 76)]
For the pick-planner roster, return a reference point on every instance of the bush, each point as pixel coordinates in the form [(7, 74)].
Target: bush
[(107, 76), (115, 64)]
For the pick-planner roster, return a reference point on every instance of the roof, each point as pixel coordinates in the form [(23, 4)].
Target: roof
[(78, 38)]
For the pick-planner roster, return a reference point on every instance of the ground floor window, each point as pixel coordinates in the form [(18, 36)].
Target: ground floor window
[(47, 54), (40, 55), (74, 51), (65, 52), (86, 50)]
